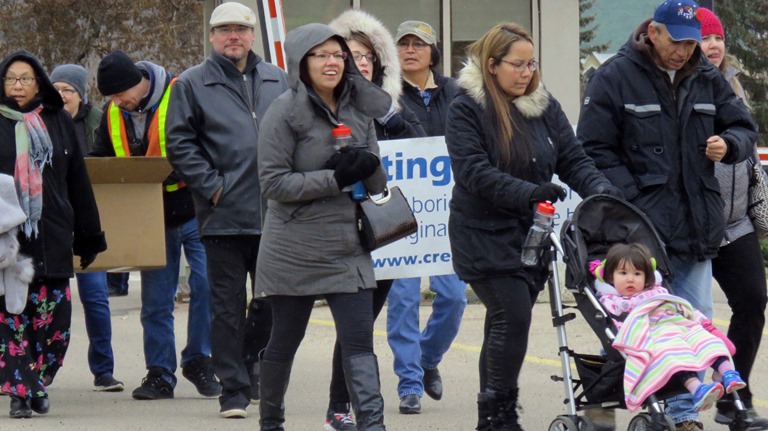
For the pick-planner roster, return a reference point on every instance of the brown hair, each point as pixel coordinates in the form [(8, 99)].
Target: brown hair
[(364, 40), (635, 254), (494, 45)]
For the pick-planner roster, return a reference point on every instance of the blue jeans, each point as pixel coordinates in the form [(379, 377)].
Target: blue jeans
[(693, 282), (92, 287), (158, 288), (414, 351)]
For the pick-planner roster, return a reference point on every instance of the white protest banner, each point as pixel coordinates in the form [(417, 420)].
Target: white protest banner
[(422, 169)]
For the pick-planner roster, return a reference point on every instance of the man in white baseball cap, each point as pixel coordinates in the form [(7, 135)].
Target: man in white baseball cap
[(233, 13), (212, 133)]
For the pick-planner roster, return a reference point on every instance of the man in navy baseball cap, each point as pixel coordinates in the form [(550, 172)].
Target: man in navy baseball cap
[(679, 17), (655, 119)]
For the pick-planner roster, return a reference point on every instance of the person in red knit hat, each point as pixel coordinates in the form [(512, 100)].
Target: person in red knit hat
[(738, 267)]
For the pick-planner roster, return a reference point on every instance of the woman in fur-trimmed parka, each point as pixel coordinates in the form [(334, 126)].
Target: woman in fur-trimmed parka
[(507, 136), (373, 50)]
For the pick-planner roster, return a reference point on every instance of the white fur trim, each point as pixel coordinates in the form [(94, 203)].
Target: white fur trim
[(471, 80), (355, 20)]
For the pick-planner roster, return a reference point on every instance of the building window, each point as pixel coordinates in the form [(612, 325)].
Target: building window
[(470, 20), (300, 12), (393, 12)]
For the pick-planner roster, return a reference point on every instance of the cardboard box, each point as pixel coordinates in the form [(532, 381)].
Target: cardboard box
[(129, 194)]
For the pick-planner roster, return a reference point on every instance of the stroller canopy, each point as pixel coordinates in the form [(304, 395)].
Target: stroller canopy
[(597, 223)]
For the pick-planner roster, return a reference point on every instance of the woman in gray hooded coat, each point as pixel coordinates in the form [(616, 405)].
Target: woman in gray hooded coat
[(310, 243)]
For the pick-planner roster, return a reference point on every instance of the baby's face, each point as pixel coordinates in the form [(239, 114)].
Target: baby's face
[(628, 280)]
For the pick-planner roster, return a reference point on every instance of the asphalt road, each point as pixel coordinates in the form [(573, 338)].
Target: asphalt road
[(75, 406)]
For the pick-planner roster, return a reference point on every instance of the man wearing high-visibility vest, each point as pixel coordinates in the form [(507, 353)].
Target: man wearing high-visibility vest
[(133, 125)]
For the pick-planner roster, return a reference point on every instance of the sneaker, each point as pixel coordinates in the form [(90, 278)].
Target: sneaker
[(113, 292), (732, 381), (706, 395), (758, 423), (199, 372), (254, 370), (107, 383), (339, 421), (689, 426), (153, 387), (233, 413)]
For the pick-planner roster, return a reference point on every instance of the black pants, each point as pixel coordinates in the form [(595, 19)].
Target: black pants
[(508, 302), (740, 271), (339, 393), (352, 313), (230, 260)]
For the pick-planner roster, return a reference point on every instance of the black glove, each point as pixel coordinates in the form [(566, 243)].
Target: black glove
[(548, 192), (345, 155), (86, 260), (610, 190), (362, 167)]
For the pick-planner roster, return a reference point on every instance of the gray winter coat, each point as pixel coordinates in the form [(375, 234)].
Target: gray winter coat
[(212, 129), (310, 243)]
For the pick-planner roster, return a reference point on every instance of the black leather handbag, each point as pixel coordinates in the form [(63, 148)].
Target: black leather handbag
[(385, 220)]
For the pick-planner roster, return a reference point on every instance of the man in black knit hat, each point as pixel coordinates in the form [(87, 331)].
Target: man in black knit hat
[(133, 125)]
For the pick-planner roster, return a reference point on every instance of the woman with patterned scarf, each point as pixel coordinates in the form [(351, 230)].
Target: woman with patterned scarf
[(39, 149)]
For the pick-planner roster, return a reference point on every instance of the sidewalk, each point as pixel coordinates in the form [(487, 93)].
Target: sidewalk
[(74, 405)]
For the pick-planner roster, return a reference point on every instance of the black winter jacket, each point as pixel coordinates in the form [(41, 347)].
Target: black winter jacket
[(648, 136), (213, 130), (491, 209), (431, 117), (70, 218)]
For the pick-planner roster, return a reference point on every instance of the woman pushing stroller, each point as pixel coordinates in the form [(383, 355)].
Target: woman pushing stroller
[(662, 335)]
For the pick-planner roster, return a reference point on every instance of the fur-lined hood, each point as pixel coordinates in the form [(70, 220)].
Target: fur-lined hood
[(471, 80), (355, 20)]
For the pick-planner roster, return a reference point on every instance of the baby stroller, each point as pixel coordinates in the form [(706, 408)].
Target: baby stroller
[(597, 223)]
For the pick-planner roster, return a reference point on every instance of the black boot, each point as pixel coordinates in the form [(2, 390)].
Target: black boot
[(506, 418), (273, 385), (362, 374), (254, 370), (20, 407), (485, 410), (40, 405)]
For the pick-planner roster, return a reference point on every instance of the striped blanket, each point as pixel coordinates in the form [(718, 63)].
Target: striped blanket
[(660, 338)]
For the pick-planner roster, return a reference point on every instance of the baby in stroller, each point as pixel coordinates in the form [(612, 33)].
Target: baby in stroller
[(662, 335)]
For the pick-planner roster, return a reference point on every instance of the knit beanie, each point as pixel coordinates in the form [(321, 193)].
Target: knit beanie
[(710, 24), (117, 73), (74, 75)]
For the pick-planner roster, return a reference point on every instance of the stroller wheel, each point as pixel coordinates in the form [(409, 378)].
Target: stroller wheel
[(644, 422), (567, 423)]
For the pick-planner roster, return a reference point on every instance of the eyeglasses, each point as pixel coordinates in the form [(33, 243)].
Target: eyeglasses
[(359, 57), (324, 56), (518, 67), (240, 30), (66, 91), (416, 44), (26, 81)]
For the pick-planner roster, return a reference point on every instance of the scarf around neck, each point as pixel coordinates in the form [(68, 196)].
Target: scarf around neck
[(34, 150)]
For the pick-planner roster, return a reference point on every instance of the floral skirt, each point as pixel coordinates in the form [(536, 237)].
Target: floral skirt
[(33, 343)]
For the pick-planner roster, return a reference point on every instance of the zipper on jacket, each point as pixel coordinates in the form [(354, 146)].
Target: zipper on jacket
[(730, 210), (252, 108)]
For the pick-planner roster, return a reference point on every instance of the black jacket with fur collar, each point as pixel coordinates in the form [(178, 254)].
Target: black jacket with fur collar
[(491, 208)]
